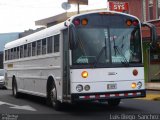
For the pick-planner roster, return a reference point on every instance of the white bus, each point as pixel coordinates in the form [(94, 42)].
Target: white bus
[(92, 56)]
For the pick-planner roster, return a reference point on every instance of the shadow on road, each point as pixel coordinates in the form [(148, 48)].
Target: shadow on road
[(83, 107)]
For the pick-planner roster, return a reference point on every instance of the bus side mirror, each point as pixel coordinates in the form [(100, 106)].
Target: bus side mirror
[(153, 33), (72, 37)]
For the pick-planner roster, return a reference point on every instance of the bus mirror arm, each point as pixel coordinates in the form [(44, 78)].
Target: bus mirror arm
[(72, 36), (153, 33)]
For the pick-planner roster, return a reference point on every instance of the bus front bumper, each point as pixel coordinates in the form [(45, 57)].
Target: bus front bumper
[(108, 95)]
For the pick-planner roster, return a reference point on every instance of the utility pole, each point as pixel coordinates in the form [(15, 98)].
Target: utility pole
[(78, 2)]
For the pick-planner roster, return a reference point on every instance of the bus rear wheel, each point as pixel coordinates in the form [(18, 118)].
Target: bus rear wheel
[(15, 89), (52, 98), (114, 102)]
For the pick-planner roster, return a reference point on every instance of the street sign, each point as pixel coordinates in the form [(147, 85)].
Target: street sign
[(81, 2), (119, 6), (66, 6)]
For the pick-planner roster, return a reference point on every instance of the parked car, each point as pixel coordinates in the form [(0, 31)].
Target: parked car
[(2, 82)]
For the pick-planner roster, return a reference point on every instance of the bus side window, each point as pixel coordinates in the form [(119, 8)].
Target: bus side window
[(17, 52), (29, 49), (56, 43), (25, 50), (33, 48), (21, 51), (49, 44), (39, 47), (14, 53), (9, 54), (44, 46), (6, 55)]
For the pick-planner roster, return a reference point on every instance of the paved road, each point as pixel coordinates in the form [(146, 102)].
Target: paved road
[(30, 107)]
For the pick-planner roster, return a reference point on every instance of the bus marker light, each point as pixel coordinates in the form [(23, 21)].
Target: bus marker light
[(135, 22), (134, 85), (84, 21), (84, 74), (135, 72), (76, 22), (129, 22)]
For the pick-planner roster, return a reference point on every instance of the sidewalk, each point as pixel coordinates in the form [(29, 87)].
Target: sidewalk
[(153, 86), (153, 91)]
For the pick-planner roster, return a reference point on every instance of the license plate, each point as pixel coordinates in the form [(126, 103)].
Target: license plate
[(111, 86)]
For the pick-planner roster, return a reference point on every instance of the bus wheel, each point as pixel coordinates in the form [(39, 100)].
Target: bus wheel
[(52, 98), (15, 89), (114, 102)]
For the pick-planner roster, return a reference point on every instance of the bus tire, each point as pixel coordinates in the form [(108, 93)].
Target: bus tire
[(114, 102), (52, 97), (15, 89)]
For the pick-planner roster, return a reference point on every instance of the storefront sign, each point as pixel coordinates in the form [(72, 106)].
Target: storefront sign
[(119, 6), (81, 2)]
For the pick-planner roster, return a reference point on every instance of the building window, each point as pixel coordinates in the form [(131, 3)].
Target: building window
[(150, 9), (158, 9)]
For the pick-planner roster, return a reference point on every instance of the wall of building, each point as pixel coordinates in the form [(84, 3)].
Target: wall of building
[(141, 9)]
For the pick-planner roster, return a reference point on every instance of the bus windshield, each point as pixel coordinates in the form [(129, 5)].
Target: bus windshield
[(107, 45)]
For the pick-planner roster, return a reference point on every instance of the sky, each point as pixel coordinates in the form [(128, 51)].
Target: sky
[(20, 15)]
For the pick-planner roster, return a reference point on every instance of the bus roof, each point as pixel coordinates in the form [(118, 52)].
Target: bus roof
[(113, 12), (52, 31), (36, 36)]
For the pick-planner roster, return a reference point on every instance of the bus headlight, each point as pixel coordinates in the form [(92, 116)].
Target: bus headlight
[(79, 88), (86, 87), (139, 85)]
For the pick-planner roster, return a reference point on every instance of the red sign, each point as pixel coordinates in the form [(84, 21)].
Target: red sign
[(119, 6)]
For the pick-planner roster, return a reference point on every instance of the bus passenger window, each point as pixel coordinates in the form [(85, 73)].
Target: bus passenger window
[(29, 49), (25, 51), (56, 43), (49, 44), (6, 55), (14, 54), (9, 54), (21, 52), (39, 47), (44, 46), (17, 53), (33, 48)]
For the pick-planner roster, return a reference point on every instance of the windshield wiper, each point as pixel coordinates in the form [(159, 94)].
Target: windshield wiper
[(120, 53), (101, 51), (99, 55), (116, 49)]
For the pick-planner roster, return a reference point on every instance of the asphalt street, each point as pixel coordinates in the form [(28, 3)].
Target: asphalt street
[(31, 107)]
